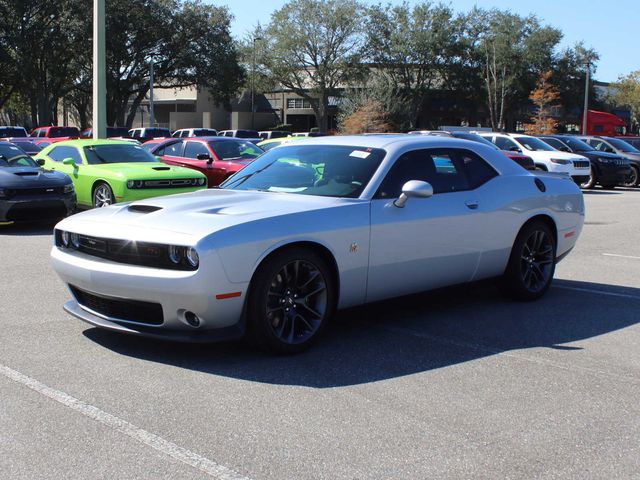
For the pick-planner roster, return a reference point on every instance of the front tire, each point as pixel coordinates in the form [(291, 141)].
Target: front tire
[(634, 178), (292, 297), (591, 183), (103, 195), (532, 263)]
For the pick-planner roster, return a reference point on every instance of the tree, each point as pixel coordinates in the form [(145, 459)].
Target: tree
[(314, 47), (419, 49), (545, 98), (510, 50), (627, 92), (368, 118), (189, 43)]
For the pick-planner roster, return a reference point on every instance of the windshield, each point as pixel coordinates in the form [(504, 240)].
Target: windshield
[(622, 145), (28, 147), (101, 154), (204, 132), (534, 144), (475, 138), (232, 150), (577, 145), (57, 132), (555, 143), (324, 170), (12, 132), (12, 156)]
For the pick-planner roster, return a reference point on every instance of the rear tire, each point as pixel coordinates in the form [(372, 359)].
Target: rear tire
[(292, 296), (532, 263)]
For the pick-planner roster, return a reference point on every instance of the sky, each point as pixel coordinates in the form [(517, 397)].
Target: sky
[(612, 28)]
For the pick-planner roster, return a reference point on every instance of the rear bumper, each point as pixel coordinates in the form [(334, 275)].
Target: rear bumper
[(37, 208)]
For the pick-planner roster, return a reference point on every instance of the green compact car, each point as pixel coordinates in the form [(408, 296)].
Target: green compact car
[(110, 171)]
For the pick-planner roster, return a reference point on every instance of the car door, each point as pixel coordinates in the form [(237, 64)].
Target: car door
[(430, 242), (54, 162), (215, 171)]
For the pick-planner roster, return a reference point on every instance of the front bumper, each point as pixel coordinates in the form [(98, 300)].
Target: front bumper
[(580, 179), (612, 174), (34, 208), (175, 291), (134, 194)]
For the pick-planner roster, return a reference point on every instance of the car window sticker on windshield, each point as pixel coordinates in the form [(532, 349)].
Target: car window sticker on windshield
[(359, 154)]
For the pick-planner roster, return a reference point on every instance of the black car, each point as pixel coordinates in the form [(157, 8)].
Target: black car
[(633, 141), (26, 144), (607, 169), (30, 193), (622, 148)]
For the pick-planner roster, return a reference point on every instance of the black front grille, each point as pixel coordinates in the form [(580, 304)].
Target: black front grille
[(22, 192), (118, 308), (36, 211), (133, 253), (169, 183), (581, 163), (621, 163)]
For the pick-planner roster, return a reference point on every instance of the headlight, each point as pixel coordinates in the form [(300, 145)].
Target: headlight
[(65, 239), (68, 188), (3, 192), (606, 160), (135, 184), (560, 161), (192, 257), (75, 240), (201, 181), (174, 254)]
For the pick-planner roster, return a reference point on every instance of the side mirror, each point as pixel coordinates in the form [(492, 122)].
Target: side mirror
[(40, 161), (159, 159), (565, 149), (413, 189), (204, 156), (514, 149), (609, 150), (69, 161)]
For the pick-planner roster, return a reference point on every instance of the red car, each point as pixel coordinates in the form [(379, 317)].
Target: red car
[(66, 133), (216, 157)]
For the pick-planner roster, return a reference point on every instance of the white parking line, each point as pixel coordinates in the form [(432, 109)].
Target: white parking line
[(203, 464), (620, 256), (599, 292)]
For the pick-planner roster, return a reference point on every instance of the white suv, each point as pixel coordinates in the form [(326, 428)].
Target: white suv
[(545, 156), (195, 132)]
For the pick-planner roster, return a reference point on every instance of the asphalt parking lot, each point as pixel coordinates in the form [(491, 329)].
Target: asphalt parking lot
[(453, 384)]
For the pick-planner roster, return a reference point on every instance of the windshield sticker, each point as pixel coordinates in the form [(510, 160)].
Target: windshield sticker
[(359, 154)]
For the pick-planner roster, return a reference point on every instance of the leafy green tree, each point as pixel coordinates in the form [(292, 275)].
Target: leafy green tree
[(419, 49), (314, 47), (627, 93), (189, 42), (511, 51)]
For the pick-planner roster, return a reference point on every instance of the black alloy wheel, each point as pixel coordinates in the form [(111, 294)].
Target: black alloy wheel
[(291, 299), (532, 262), (633, 179)]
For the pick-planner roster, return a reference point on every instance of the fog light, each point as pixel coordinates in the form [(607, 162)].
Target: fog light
[(192, 319)]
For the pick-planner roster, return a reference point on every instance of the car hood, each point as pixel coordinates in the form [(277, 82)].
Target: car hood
[(630, 156), (192, 216), (29, 177), (144, 170), (546, 155)]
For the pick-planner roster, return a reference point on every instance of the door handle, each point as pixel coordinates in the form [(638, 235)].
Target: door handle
[(472, 204)]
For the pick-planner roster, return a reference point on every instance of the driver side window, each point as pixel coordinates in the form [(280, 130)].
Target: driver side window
[(440, 168), (58, 154)]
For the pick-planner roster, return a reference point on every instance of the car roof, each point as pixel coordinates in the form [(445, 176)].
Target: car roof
[(90, 142), (385, 140)]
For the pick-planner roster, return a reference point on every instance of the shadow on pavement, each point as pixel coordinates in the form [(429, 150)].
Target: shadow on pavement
[(600, 192), (409, 335), (28, 229)]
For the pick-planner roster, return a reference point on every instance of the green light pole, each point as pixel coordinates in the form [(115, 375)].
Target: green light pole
[(99, 72)]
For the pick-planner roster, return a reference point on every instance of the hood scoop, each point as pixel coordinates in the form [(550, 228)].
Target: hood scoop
[(160, 169), (27, 174), (143, 208)]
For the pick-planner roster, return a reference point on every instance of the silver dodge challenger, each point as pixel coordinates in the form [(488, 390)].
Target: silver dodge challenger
[(314, 226)]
